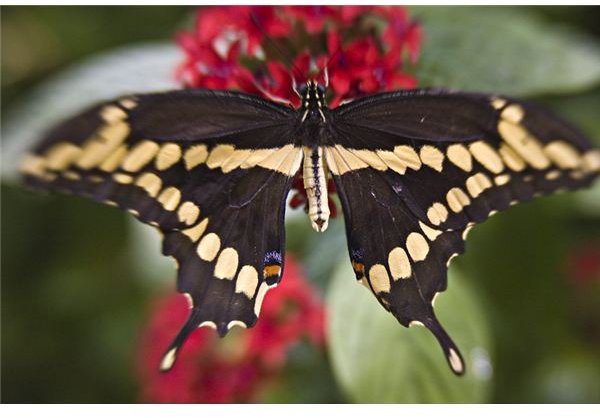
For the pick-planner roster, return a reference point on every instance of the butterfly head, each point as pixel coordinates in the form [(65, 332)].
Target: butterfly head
[(313, 100)]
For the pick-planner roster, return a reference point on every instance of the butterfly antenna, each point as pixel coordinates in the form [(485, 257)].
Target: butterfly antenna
[(286, 57), (271, 96), (325, 70), (295, 86)]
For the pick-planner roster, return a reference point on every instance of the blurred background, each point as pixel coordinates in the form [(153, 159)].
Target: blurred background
[(87, 297)]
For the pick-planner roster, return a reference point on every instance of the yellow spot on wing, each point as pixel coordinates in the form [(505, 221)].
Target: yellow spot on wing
[(112, 113), (291, 165), (502, 179), (432, 157), (460, 156), (511, 158), (262, 291), (487, 156), (370, 158), (256, 156), (236, 323), (62, 155), (128, 103), (97, 148), (150, 182), (189, 299), (208, 324), (431, 233), (188, 212), (169, 198), (285, 160), (344, 160), (194, 233), (452, 257), (209, 247), (498, 103), (236, 160), (227, 264), (591, 161), (380, 281), (140, 155), (513, 113), (195, 155), (417, 246), (524, 144), (123, 178), (477, 184), (330, 160), (114, 160), (466, 231), (392, 161), (408, 156), (562, 154), (33, 165), (218, 155), (71, 175), (457, 199), (399, 264), (168, 155), (437, 213), (247, 281)]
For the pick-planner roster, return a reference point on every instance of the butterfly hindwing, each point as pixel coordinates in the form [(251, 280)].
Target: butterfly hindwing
[(210, 170), (415, 170), (232, 256), (400, 259)]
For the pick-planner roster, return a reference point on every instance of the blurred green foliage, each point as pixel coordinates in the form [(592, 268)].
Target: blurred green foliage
[(37, 41), (73, 305)]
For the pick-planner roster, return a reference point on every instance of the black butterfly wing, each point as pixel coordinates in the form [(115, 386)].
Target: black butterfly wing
[(211, 170), (490, 151), (399, 258), (416, 169)]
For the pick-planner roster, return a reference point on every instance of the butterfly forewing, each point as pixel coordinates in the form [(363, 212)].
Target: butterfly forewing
[(457, 157), (210, 170)]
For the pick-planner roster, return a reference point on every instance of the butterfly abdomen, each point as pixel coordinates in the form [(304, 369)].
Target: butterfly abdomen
[(315, 184)]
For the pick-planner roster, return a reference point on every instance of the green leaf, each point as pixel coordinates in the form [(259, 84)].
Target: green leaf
[(506, 50), (376, 360)]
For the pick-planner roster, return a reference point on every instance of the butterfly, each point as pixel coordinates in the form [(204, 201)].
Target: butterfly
[(211, 170)]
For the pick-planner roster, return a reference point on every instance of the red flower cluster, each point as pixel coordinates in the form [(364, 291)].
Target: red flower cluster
[(255, 49), (237, 368)]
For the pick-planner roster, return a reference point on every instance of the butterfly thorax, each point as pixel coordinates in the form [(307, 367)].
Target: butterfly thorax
[(313, 122), (313, 105)]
